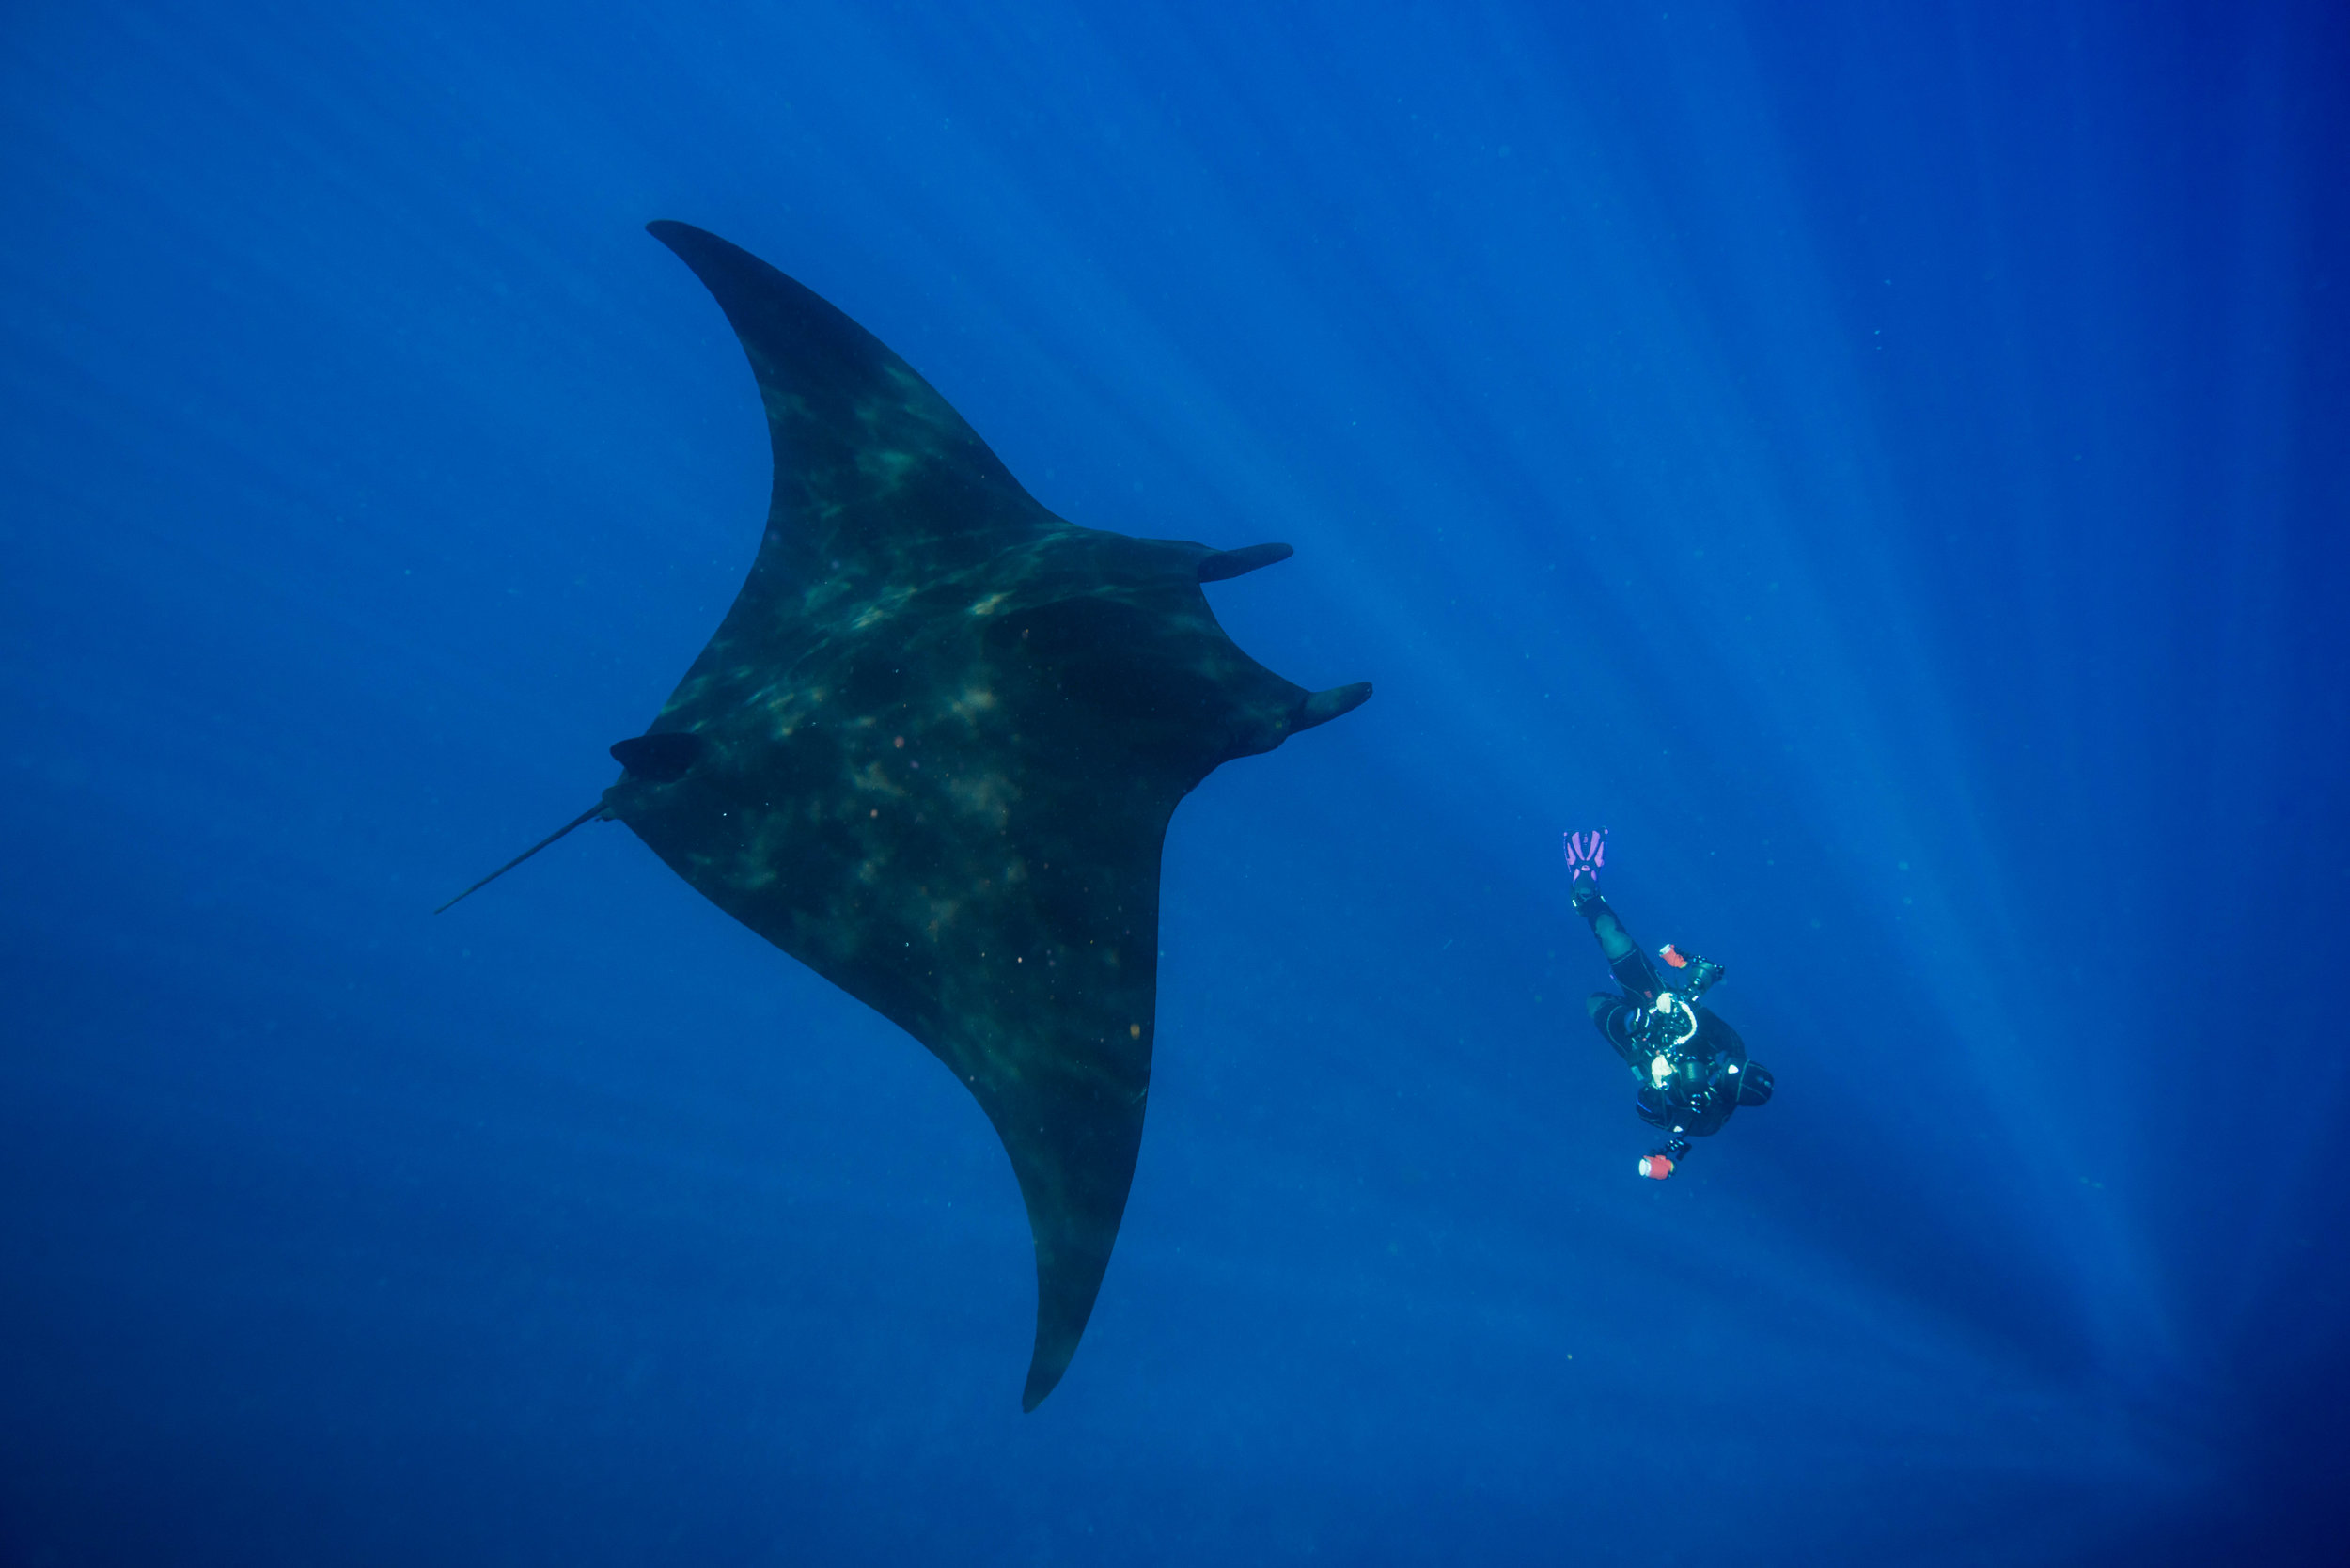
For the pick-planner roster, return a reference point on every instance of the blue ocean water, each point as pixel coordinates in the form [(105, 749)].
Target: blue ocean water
[(1887, 464)]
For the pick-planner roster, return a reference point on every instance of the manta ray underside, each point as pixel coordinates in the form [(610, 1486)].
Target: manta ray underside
[(934, 748)]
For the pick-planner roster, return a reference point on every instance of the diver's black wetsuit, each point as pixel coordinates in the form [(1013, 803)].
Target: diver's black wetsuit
[(1711, 1077)]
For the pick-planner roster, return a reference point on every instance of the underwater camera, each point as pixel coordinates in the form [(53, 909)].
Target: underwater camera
[(1702, 972)]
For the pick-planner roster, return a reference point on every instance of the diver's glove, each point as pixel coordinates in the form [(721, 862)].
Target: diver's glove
[(1586, 853)]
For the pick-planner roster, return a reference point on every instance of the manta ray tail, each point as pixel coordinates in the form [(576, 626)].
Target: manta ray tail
[(581, 820)]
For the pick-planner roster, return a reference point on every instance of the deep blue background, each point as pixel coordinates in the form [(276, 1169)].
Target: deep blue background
[(1887, 462)]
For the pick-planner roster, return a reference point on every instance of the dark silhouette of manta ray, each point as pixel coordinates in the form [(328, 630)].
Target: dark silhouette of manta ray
[(933, 749)]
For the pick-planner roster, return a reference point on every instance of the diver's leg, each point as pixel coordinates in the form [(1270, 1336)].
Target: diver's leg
[(1586, 853), (1625, 960), (1609, 1014)]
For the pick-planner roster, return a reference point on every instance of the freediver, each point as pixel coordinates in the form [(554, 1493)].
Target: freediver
[(1691, 1067)]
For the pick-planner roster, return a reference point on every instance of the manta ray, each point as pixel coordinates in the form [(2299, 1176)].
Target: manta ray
[(933, 750)]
